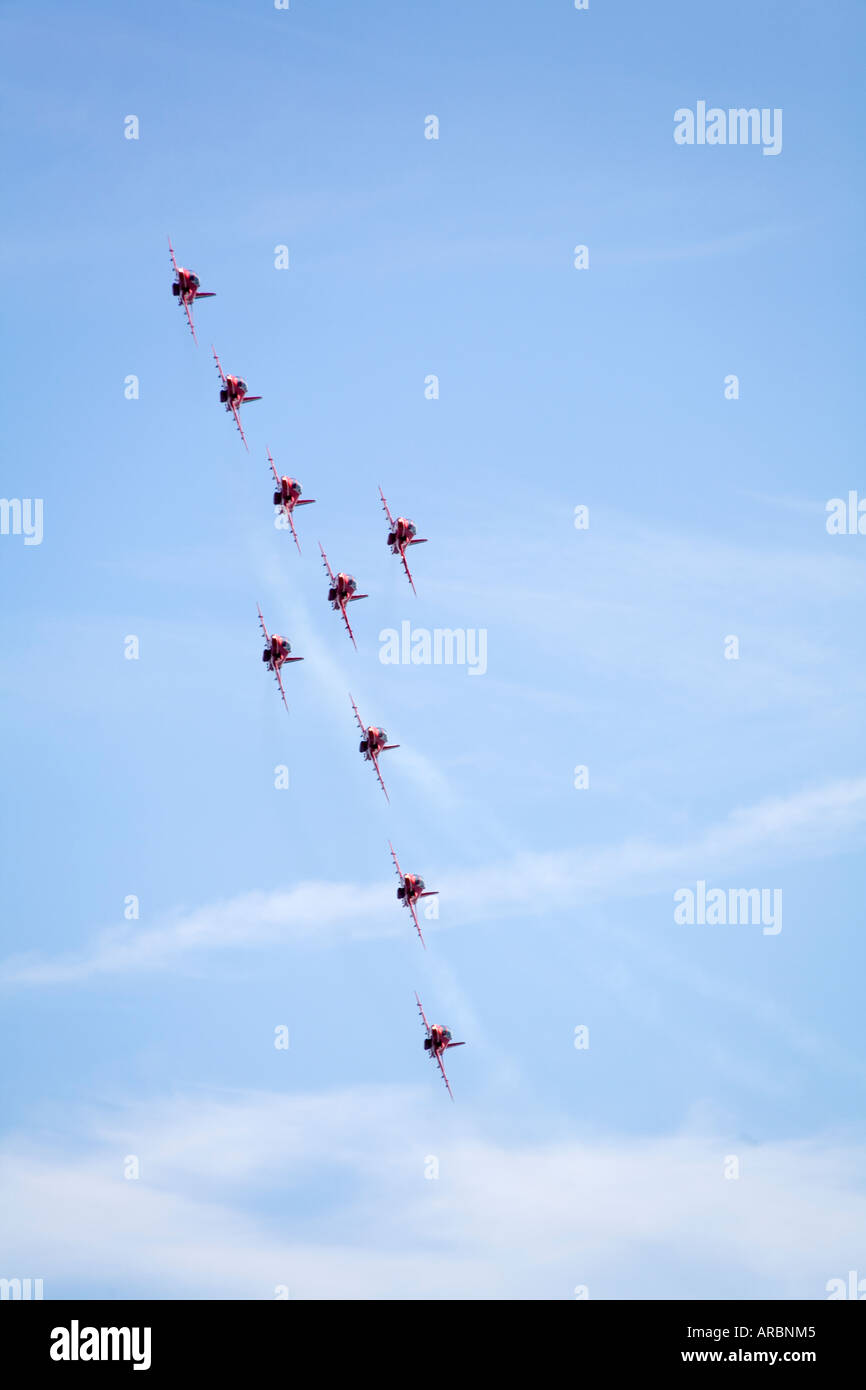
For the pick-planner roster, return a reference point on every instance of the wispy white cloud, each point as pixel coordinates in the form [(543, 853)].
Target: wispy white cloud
[(251, 920), (812, 823), (653, 605), (628, 562), (626, 1217)]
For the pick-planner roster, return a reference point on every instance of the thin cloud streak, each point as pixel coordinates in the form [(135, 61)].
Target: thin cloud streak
[(812, 823)]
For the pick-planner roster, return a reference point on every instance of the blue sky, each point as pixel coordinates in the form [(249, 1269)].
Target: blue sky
[(559, 387)]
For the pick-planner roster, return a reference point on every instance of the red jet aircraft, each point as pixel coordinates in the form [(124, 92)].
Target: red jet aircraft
[(437, 1041), (186, 290), (341, 592), (411, 889), (373, 742), (287, 496), (233, 395), (401, 534), (276, 654)]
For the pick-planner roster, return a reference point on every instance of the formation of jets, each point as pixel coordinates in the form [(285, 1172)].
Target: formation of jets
[(342, 590)]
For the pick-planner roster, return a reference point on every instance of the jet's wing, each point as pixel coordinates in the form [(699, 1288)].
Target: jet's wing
[(411, 907), (288, 512), (262, 621), (422, 1013), (375, 762), (219, 365), (419, 541), (171, 253), (280, 684), (387, 511), (277, 478), (408, 575), (348, 624), (396, 863), (444, 1077), (327, 566), (236, 413), (358, 717), (442, 1068), (189, 321)]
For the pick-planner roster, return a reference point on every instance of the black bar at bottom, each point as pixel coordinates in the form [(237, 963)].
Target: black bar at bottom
[(68, 1337)]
